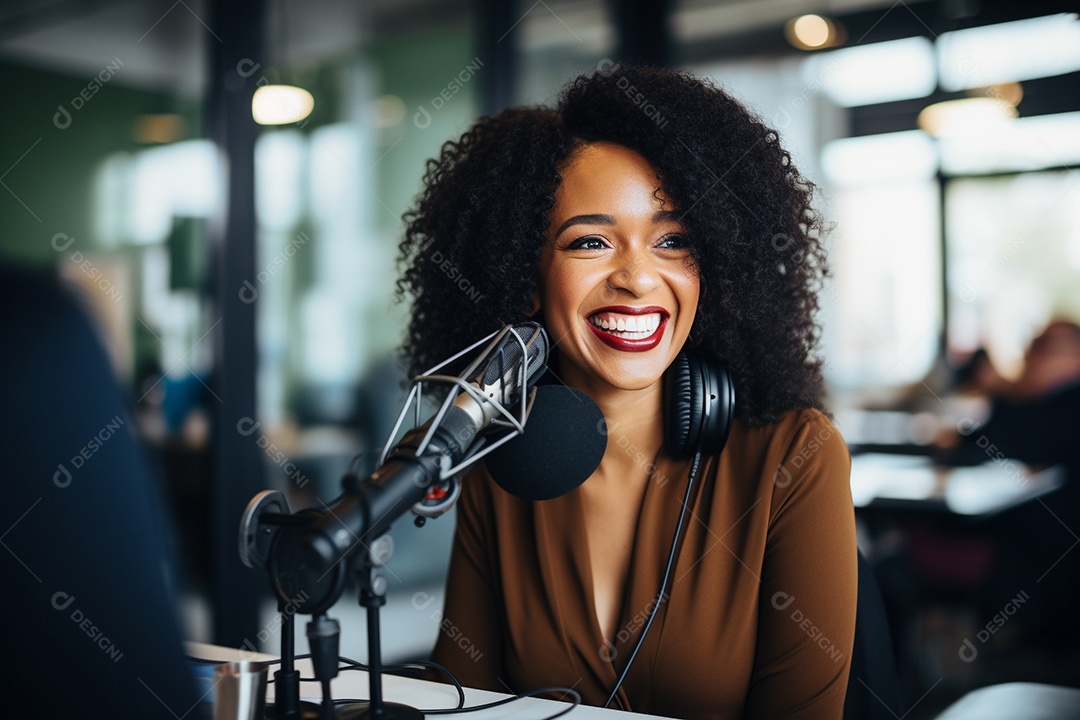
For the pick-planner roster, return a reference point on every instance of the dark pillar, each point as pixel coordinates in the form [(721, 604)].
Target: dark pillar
[(643, 29), (943, 276), (498, 25), (235, 54)]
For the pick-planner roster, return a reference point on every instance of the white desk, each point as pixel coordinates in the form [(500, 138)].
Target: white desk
[(912, 482), (417, 693), (1016, 701)]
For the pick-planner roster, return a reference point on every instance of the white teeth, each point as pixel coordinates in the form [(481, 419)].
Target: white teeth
[(633, 327)]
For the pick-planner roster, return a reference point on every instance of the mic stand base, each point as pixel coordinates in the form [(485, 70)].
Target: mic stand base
[(390, 711), (307, 711), (353, 711)]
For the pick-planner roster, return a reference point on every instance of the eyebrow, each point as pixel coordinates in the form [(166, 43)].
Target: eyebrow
[(596, 219), (585, 220)]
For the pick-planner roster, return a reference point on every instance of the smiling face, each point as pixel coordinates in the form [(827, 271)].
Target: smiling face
[(618, 287)]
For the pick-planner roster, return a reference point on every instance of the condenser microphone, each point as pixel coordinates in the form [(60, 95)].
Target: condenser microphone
[(564, 445), (370, 506), (500, 372)]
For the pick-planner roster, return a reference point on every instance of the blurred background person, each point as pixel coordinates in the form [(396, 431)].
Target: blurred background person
[(1036, 420)]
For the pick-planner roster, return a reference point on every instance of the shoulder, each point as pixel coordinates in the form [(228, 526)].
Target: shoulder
[(801, 453), (816, 468), (793, 422), (812, 433), (797, 437)]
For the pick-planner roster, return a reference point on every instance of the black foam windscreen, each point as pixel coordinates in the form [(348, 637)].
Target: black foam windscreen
[(563, 443)]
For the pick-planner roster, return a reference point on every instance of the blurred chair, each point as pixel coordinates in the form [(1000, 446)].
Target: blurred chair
[(873, 691)]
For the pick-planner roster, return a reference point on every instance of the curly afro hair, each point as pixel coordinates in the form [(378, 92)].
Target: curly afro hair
[(472, 242)]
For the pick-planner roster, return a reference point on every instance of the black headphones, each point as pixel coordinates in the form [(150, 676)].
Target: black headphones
[(699, 404)]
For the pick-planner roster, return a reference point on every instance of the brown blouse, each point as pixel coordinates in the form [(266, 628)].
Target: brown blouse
[(760, 615)]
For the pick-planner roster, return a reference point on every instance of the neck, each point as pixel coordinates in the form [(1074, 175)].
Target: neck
[(635, 432)]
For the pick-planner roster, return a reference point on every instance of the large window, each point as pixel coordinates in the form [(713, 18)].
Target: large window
[(1014, 259), (990, 200)]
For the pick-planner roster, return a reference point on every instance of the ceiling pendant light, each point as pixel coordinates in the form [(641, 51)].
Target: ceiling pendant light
[(813, 32), (281, 104), (990, 111)]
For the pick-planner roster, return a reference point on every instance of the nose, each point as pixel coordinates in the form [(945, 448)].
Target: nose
[(634, 271)]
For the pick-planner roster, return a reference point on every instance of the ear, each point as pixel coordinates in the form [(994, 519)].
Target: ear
[(534, 307)]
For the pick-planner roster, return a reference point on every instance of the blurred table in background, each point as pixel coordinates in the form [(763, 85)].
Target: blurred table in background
[(881, 481)]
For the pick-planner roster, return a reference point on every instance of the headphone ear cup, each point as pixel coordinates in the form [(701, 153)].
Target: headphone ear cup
[(678, 407), (719, 402), (699, 404)]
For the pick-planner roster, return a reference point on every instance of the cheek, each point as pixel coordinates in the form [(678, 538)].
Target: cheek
[(563, 289), (687, 286)]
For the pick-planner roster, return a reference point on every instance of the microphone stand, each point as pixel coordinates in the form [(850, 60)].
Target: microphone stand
[(287, 678), (323, 639), (373, 584), (323, 634)]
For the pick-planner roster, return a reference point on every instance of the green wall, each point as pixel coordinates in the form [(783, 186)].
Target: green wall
[(417, 69), (48, 162)]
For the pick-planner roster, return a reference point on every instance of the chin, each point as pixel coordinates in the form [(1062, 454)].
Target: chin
[(630, 374)]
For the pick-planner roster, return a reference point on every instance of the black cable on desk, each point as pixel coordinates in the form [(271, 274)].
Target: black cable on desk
[(350, 664), (397, 668), (575, 700)]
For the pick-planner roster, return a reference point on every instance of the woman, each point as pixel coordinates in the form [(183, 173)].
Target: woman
[(647, 211)]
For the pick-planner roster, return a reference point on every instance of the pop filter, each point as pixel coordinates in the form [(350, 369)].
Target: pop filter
[(563, 443)]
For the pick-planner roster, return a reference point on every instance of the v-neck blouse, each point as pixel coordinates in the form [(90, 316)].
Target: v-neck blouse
[(759, 617)]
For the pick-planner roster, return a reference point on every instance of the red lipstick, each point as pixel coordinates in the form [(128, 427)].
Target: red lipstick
[(628, 344)]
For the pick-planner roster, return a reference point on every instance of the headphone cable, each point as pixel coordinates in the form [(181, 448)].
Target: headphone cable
[(667, 575)]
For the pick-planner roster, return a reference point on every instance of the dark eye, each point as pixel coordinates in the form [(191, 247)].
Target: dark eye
[(589, 242), (674, 242)]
